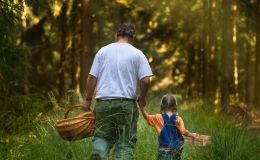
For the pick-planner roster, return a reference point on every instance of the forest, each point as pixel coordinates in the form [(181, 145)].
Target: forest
[(206, 52)]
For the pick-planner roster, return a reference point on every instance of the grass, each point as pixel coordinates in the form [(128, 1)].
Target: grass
[(41, 141)]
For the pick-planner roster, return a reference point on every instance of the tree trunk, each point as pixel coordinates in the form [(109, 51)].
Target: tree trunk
[(25, 68), (234, 49), (257, 49), (190, 70), (198, 68), (212, 74), (87, 55), (63, 29), (248, 96), (204, 50), (250, 66), (74, 52), (226, 55)]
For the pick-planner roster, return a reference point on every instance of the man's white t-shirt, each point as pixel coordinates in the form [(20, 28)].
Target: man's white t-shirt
[(118, 67)]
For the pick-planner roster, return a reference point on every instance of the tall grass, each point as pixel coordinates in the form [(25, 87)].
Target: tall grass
[(229, 142)]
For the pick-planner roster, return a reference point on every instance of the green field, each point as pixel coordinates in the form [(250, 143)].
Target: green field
[(34, 137)]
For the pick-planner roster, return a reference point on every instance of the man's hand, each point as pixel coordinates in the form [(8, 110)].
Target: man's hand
[(86, 106), (141, 101), (90, 87)]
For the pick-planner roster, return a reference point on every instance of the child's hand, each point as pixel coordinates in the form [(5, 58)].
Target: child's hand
[(194, 135)]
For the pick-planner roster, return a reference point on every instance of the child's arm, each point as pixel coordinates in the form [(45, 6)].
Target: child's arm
[(144, 113), (183, 130)]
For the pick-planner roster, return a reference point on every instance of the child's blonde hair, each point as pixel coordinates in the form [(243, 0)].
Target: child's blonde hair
[(169, 102)]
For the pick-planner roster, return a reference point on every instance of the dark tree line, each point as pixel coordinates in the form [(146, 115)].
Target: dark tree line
[(198, 48)]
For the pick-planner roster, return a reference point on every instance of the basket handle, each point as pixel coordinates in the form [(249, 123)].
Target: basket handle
[(72, 108)]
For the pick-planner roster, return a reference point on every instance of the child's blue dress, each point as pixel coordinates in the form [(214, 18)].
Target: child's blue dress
[(170, 140)]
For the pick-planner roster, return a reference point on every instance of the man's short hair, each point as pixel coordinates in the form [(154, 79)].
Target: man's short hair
[(126, 30)]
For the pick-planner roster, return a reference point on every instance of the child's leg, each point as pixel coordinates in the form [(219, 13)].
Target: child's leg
[(164, 155), (176, 154), (169, 155)]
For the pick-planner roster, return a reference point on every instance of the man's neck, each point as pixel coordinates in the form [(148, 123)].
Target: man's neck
[(123, 40)]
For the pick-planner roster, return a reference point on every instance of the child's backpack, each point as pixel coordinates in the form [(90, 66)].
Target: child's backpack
[(170, 136)]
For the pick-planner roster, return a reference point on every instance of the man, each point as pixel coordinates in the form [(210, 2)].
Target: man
[(115, 73)]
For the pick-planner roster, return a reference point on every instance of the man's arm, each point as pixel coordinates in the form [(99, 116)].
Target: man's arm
[(90, 87), (144, 86), (144, 113)]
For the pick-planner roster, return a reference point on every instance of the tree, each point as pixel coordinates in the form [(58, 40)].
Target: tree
[(63, 30), (86, 55), (190, 69), (205, 49), (234, 50), (212, 49), (257, 52), (226, 55), (75, 21)]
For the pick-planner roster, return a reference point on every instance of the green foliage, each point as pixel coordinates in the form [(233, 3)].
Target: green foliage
[(20, 113), (180, 39), (13, 57), (42, 143), (13, 68), (10, 14), (38, 6)]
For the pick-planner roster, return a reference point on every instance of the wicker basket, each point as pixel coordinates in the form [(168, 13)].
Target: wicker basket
[(199, 140), (76, 128)]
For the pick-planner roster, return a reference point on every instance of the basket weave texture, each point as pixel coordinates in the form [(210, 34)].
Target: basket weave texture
[(76, 128), (199, 140)]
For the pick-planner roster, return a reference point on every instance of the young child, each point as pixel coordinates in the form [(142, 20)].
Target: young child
[(170, 128)]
